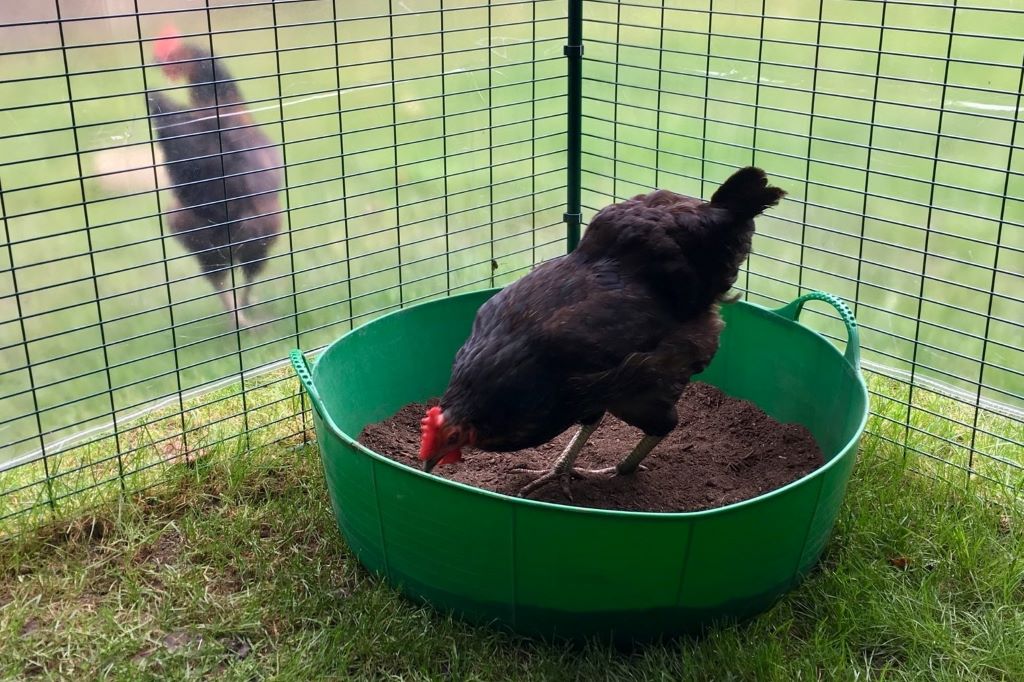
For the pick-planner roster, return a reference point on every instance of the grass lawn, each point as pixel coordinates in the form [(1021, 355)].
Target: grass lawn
[(232, 568)]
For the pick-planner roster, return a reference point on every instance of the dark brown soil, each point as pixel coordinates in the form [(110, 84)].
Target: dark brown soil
[(723, 451)]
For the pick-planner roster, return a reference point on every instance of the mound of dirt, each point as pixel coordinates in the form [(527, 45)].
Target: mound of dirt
[(724, 450)]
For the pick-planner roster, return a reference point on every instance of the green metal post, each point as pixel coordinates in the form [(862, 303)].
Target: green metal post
[(574, 128)]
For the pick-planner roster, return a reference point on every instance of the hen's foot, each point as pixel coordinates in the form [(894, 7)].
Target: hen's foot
[(564, 477), (606, 471), (548, 475)]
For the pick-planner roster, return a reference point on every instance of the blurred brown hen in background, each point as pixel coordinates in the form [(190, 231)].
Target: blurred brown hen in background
[(224, 171)]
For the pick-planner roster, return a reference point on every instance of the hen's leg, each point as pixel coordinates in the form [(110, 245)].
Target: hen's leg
[(656, 417), (245, 300), (632, 460), (228, 294), (214, 261), (229, 299), (562, 470), (251, 254)]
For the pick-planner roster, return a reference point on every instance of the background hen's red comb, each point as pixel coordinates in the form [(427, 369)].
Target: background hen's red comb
[(168, 40), (430, 431)]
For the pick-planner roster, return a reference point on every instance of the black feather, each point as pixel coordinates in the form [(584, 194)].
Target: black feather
[(747, 193)]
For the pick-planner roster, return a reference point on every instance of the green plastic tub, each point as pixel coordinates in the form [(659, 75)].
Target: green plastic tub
[(551, 570)]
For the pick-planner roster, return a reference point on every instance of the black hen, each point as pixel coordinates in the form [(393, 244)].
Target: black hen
[(619, 325), (225, 173)]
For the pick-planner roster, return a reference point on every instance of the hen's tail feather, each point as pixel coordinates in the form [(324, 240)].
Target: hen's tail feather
[(747, 193)]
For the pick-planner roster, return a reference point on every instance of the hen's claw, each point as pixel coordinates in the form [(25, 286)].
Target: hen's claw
[(610, 471), (563, 477)]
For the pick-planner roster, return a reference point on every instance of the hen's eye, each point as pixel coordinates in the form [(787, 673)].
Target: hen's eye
[(452, 438)]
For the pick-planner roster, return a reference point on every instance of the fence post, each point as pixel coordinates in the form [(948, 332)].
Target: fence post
[(574, 127)]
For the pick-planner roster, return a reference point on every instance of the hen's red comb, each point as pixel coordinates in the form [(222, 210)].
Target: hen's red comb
[(430, 431), (166, 44)]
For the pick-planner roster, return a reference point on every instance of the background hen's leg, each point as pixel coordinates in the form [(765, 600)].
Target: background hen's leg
[(229, 299), (244, 302), (228, 294), (251, 253), (562, 470)]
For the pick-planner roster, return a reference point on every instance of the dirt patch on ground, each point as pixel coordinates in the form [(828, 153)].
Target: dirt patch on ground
[(723, 451), (164, 550)]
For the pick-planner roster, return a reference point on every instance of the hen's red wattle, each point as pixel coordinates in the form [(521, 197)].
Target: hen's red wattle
[(430, 431)]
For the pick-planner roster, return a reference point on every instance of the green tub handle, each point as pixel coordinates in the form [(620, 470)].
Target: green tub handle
[(791, 311), (301, 367)]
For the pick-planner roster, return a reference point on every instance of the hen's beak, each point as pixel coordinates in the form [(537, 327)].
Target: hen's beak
[(428, 465), (442, 457)]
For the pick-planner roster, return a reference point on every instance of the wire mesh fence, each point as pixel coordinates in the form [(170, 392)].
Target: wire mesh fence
[(895, 127), (421, 152), (393, 151)]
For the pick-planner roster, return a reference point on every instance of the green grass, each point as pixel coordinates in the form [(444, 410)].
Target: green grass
[(233, 568), (262, 412)]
